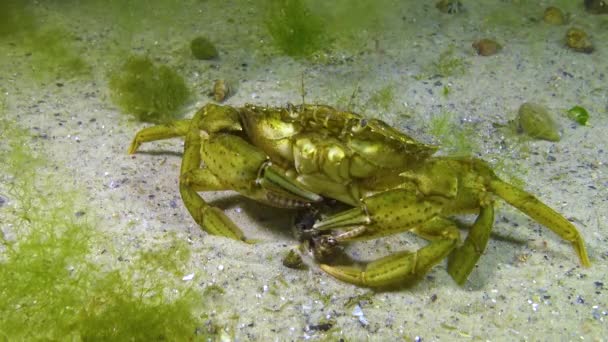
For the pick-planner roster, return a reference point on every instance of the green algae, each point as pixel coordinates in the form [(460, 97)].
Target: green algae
[(203, 48), (579, 114), (447, 64), (149, 92), (54, 54), (50, 50), (15, 16), (383, 97), (54, 286), (318, 29), (294, 29), (454, 137)]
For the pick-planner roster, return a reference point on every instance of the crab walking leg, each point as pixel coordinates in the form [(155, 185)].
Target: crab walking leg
[(403, 267), (159, 132), (210, 218), (210, 118), (230, 163), (543, 214), (388, 213), (463, 259)]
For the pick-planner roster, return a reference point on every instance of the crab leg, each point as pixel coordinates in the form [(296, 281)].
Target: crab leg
[(463, 259), (542, 214), (210, 218), (211, 118), (403, 268), (388, 213), (159, 132), (231, 163)]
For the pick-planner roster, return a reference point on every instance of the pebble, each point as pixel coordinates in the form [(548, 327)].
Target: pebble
[(577, 40), (536, 122), (554, 16), (486, 47)]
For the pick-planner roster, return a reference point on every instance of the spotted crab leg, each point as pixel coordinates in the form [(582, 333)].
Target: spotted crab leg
[(388, 213), (463, 259), (231, 163), (404, 267), (542, 214), (159, 132)]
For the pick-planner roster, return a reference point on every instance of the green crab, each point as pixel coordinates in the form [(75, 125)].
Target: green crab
[(294, 156)]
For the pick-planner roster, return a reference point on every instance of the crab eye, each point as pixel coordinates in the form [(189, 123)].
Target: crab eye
[(358, 126)]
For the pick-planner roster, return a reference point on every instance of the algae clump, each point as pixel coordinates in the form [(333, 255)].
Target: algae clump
[(384, 97), (295, 30), (446, 65), (149, 92), (579, 114), (454, 138), (202, 48), (55, 286)]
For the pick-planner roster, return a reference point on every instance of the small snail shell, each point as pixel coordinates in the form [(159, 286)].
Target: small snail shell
[(221, 90)]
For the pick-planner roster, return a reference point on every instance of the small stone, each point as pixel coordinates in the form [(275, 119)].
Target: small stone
[(577, 40), (202, 48), (486, 47), (358, 312), (536, 122), (596, 6), (554, 16)]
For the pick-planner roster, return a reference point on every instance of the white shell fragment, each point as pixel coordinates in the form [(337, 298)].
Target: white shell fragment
[(358, 312)]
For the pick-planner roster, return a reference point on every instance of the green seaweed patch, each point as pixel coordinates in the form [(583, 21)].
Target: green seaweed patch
[(455, 138), (149, 92), (579, 114), (383, 98), (203, 48), (294, 29), (15, 16), (54, 286), (54, 54), (50, 49), (446, 65)]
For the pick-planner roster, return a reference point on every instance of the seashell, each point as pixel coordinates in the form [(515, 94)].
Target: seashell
[(221, 90), (536, 122)]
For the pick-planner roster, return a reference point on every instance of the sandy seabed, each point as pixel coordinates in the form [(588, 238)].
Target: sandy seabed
[(527, 286)]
